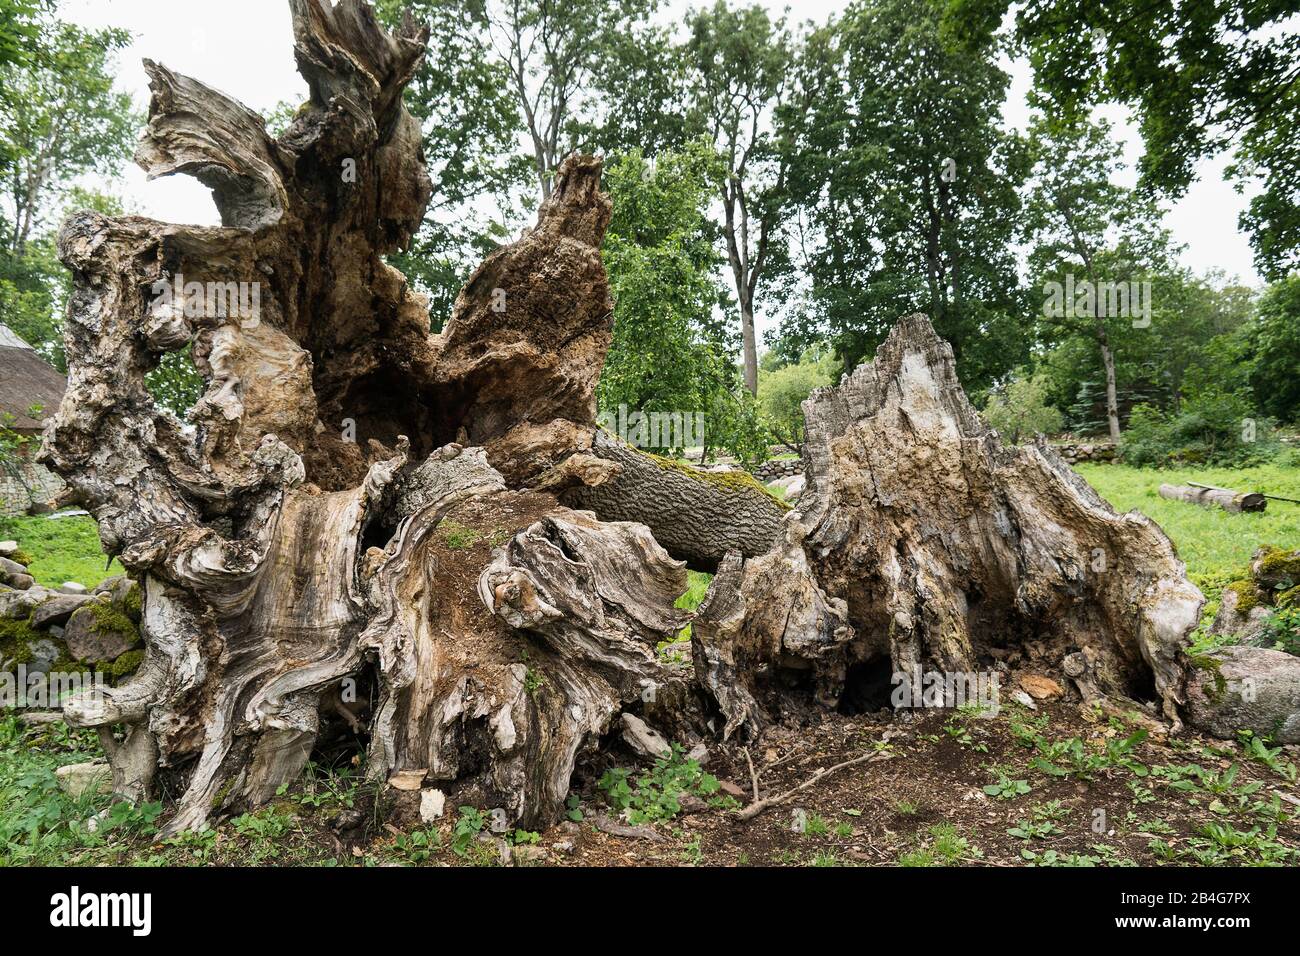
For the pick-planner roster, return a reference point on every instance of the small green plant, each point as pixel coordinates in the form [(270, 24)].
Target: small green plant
[(457, 536), (656, 794), (417, 847), (469, 824), (815, 826), (1007, 789), (1052, 858), (573, 808), (1257, 749)]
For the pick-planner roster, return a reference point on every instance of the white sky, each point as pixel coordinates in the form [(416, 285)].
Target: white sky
[(245, 48)]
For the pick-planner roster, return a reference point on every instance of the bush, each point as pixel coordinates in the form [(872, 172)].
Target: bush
[(781, 393), (1211, 427), (1021, 408)]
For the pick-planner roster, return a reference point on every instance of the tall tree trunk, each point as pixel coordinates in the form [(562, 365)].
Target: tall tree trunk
[(1112, 399), (750, 341)]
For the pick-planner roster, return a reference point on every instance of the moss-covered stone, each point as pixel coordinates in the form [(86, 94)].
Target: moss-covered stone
[(1289, 598), (1247, 595), (124, 666), (99, 633), (1213, 666), (16, 639), (1274, 567), (133, 602), (22, 557)]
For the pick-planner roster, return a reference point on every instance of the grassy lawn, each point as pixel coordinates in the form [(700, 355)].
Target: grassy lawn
[(1215, 545), (63, 549)]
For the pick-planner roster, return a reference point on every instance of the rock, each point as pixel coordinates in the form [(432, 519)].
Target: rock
[(78, 779), (95, 633), (795, 488), (726, 786), (564, 846), (1023, 699), (432, 804), (644, 741), (528, 855), (1247, 627), (19, 582), (72, 587), (1276, 569), (1040, 688), (1245, 688), (8, 567), (699, 753), (8, 549), (57, 610), (18, 605), (107, 585), (44, 654)]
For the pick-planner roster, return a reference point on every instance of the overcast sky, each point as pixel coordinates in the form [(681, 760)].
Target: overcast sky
[(245, 48)]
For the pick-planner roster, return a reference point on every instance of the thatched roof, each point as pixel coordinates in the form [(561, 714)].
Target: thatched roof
[(26, 379)]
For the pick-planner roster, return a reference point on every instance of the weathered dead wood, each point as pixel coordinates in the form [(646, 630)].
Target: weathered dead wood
[(767, 803), (942, 546), (1206, 497), (357, 503)]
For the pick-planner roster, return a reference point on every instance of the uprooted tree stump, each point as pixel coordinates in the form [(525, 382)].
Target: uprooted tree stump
[(371, 527)]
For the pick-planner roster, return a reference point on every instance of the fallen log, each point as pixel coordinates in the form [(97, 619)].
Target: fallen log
[(1207, 497)]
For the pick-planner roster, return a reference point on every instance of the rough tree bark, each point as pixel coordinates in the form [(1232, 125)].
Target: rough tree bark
[(924, 543), (363, 524)]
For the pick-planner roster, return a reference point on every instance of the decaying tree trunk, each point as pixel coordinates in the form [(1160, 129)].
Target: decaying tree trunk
[(1234, 501), (923, 543), (369, 525)]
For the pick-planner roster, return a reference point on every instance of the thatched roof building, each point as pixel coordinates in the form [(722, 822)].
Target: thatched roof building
[(26, 379)]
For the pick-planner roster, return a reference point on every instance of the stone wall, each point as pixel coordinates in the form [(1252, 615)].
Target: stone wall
[(776, 468), (1076, 452), (23, 483)]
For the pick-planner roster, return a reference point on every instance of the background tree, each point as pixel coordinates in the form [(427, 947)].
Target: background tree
[(1022, 408), (670, 350), (907, 185), (1274, 346), (785, 385), (552, 51), (1201, 78), (739, 61), (1086, 231), (60, 119)]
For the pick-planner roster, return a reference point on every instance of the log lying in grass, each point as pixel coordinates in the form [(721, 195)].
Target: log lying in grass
[(1225, 498)]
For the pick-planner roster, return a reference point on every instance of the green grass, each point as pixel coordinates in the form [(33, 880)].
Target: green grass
[(65, 549), (1215, 545), (697, 582)]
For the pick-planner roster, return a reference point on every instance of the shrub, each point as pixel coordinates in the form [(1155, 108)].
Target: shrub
[(1212, 427), (1020, 409)]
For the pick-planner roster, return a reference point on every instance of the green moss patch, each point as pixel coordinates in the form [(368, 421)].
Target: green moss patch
[(733, 480), (1247, 595)]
